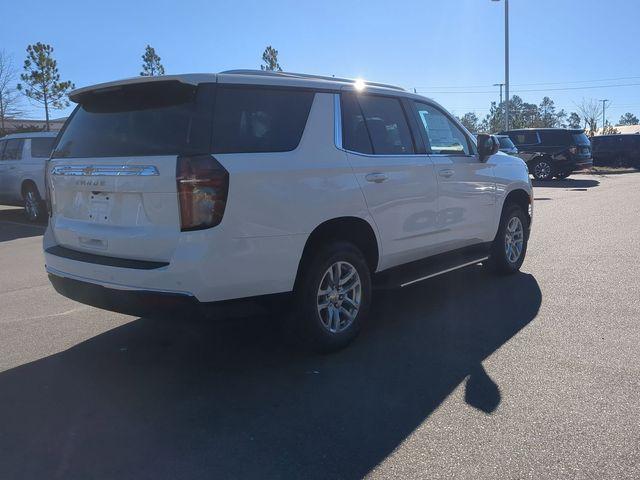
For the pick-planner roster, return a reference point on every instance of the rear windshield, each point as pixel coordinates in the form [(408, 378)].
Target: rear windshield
[(41, 147), (581, 139), (135, 120), (171, 118), (505, 142)]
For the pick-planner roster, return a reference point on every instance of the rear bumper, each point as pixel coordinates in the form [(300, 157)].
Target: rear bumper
[(571, 165), (129, 302), (204, 265), (145, 303)]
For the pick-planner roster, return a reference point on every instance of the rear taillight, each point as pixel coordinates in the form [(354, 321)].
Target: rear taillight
[(203, 185)]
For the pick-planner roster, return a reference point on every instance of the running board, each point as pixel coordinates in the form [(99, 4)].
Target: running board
[(415, 272)]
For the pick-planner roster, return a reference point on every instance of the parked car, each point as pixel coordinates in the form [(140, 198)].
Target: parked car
[(552, 152), (506, 145), (200, 189), (22, 166), (616, 150)]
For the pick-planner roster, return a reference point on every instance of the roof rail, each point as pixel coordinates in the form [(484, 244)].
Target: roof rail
[(309, 76)]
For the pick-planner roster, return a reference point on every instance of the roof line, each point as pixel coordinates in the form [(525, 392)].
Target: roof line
[(307, 76)]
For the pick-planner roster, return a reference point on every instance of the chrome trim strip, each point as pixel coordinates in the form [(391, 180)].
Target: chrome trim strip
[(337, 121), (114, 286), (105, 170), (473, 262)]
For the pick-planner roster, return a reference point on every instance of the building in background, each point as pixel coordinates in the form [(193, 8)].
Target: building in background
[(23, 124), (623, 129)]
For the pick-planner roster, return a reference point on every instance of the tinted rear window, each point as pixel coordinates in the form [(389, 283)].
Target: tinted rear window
[(505, 142), (157, 118), (355, 136), (524, 138), (41, 147), (250, 120), (554, 137), (171, 118), (13, 149), (378, 119), (581, 139)]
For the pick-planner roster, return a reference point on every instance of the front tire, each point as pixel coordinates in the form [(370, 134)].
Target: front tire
[(542, 169), (33, 204), (510, 245), (332, 298)]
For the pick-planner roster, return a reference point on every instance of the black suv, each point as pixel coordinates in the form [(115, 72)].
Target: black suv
[(552, 152), (616, 150)]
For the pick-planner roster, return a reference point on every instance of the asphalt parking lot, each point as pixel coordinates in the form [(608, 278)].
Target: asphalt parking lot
[(464, 376)]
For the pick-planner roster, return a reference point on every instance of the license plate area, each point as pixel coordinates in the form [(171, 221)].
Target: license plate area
[(100, 207)]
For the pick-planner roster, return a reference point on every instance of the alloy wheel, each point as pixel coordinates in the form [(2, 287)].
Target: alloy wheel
[(339, 296), (514, 239), (542, 170), (31, 206)]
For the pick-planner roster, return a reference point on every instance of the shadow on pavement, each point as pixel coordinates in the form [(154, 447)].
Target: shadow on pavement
[(195, 399), (567, 183), (18, 227)]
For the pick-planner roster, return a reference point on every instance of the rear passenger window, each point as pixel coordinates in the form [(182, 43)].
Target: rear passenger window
[(554, 137), (251, 120), (387, 125), (355, 136), (445, 137), (13, 149), (41, 147), (524, 138)]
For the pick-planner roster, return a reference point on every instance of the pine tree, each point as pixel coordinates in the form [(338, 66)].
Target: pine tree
[(270, 59), (151, 65), (42, 81)]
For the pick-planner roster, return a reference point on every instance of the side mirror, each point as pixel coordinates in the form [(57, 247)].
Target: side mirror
[(487, 145)]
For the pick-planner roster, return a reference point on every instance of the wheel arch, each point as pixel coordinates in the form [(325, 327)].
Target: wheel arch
[(521, 197), (28, 182), (355, 230)]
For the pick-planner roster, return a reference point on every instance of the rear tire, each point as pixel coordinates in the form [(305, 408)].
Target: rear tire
[(510, 245), (542, 169), (563, 176), (332, 298), (33, 205)]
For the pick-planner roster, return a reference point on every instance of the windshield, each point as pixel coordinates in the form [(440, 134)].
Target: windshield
[(505, 142), (134, 120), (581, 139)]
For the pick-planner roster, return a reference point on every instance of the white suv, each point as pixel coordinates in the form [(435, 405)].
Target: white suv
[(245, 184), (22, 164)]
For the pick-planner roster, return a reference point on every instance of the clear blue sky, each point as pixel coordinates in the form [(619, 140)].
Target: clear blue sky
[(437, 46)]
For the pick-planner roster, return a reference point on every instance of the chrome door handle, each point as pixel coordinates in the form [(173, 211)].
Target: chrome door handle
[(376, 177), (447, 172)]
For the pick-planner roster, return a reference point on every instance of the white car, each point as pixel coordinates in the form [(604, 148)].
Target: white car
[(205, 188), (22, 165)]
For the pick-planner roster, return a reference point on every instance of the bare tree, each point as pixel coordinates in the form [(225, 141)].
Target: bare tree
[(590, 112), (9, 98)]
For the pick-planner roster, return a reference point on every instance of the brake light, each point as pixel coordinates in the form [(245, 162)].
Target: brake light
[(203, 185)]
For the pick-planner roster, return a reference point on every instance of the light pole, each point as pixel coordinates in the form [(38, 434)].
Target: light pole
[(604, 102), (499, 85), (506, 62)]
